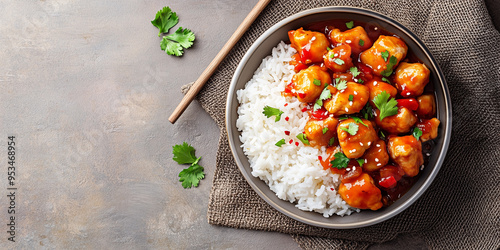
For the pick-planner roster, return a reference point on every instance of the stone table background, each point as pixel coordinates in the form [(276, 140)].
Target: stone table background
[(87, 92)]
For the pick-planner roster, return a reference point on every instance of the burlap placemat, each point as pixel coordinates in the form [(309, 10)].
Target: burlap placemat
[(461, 209)]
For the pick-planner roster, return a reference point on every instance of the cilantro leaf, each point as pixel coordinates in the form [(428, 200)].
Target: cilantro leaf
[(358, 120), (382, 135), (392, 62), (331, 141), (316, 82), (387, 107), (318, 104), (417, 133), (324, 130), (280, 142), (339, 61), (343, 118), (270, 111), (341, 85), (367, 111), (360, 81), (191, 176), (352, 128), (165, 19), (173, 44), (361, 162), (326, 94), (184, 154), (349, 24), (386, 80), (355, 72), (385, 55), (171, 48), (351, 98), (341, 161), (361, 42), (303, 138)]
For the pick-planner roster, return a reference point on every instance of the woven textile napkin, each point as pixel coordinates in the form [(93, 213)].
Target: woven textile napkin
[(461, 209)]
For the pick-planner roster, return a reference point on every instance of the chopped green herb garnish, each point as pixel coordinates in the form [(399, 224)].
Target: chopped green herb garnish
[(343, 118), (324, 130), (339, 61), (303, 138), (318, 104), (386, 80), (417, 133), (361, 162), (382, 135), (361, 42), (328, 48), (351, 98), (341, 85), (358, 120), (316, 82), (392, 62), (349, 24), (280, 142), (331, 141), (341, 161), (354, 71), (385, 55), (352, 128), (165, 19), (360, 81), (270, 111), (387, 107), (332, 55), (191, 176)]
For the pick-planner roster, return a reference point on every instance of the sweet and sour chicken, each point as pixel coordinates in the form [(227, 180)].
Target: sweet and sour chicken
[(369, 109)]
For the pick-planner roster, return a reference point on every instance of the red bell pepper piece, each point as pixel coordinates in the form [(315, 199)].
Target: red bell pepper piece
[(410, 104)]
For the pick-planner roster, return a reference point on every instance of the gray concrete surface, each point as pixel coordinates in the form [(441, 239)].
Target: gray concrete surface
[(87, 92)]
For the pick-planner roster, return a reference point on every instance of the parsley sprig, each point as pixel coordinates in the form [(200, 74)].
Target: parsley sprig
[(174, 44), (325, 94), (392, 62), (341, 161), (280, 143), (191, 176)]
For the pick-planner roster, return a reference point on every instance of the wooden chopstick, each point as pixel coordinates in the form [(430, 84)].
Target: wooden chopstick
[(198, 84)]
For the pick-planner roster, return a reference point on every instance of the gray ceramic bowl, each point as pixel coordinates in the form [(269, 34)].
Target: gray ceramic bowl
[(262, 48)]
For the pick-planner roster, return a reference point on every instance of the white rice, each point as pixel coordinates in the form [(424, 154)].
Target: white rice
[(293, 172)]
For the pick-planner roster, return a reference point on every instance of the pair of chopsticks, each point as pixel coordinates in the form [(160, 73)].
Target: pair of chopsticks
[(200, 82)]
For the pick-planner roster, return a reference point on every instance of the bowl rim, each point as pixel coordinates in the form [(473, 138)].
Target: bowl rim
[(440, 77)]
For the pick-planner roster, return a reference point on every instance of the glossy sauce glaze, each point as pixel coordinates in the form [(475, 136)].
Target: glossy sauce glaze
[(340, 72)]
